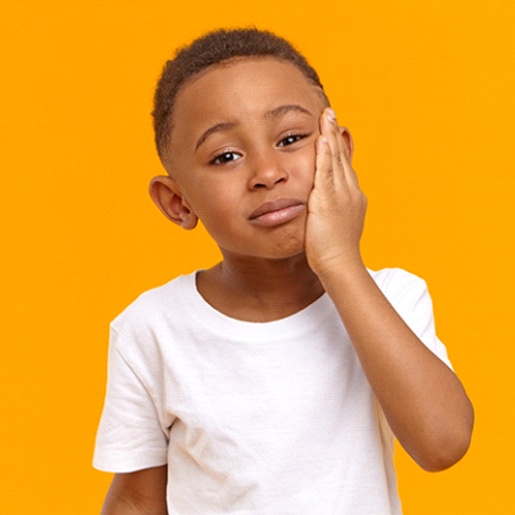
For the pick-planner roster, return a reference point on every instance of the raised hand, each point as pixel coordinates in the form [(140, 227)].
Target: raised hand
[(336, 207)]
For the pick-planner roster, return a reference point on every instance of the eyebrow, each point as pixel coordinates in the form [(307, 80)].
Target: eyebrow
[(277, 112), (224, 126), (285, 109)]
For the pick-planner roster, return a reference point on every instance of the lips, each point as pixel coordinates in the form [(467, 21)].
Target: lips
[(277, 212)]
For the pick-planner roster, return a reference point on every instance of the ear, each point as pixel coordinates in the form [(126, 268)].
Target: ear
[(348, 142), (167, 196)]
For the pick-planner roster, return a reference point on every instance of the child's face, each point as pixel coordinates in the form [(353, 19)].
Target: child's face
[(242, 155)]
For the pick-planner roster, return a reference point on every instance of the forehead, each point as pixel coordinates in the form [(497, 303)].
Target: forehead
[(242, 87)]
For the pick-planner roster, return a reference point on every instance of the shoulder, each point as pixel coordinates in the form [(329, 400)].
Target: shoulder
[(396, 280), (409, 296), (403, 289), (155, 302), (152, 314)]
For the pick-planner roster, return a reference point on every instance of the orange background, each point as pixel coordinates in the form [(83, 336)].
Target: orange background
[(426, 88)]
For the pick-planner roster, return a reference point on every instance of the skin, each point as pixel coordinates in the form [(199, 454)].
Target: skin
[(256, 130), (137, 493)]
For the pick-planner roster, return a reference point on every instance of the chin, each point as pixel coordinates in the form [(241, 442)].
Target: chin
[(279, 246), (286, 250)]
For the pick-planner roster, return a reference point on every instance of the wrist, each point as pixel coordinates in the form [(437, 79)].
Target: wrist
[(342, 269)]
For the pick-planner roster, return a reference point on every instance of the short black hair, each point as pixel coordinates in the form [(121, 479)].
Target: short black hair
[(208, 50)]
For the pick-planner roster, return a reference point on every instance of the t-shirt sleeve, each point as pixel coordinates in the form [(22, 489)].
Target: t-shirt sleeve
[(130, 436), (410, 297)]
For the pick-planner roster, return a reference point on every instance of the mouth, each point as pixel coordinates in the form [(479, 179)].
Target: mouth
[(277, 212)]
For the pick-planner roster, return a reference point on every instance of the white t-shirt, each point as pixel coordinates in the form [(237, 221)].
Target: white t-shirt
[(270, 418)]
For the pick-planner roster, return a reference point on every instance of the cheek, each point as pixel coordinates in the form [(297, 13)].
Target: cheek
[(213, 203), (306, 164)]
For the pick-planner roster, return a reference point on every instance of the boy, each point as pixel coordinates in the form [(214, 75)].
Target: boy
[(274, 382)]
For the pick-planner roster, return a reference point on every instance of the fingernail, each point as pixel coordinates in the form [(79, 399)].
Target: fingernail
[(331, 115)]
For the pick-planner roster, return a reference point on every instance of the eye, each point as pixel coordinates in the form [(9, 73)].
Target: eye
[(290, 139), (225, 157)]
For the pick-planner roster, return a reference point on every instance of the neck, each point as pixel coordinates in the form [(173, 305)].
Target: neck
[(260, 289)]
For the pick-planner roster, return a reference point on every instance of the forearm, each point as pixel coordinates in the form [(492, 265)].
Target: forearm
[(423, 400), (421, 397)]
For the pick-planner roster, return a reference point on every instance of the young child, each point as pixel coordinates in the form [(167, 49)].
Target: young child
[(274, 382)]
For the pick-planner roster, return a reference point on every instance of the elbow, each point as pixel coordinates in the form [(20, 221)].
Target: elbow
[(448, 448), (444, 457)]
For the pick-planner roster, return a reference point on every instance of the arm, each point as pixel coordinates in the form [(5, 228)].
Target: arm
[(137, 493), (422, 399)]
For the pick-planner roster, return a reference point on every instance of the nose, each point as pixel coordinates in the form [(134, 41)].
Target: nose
[(267, 171)]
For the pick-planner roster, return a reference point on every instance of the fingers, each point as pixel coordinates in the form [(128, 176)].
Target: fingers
[(324, 161), (336, 147)]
